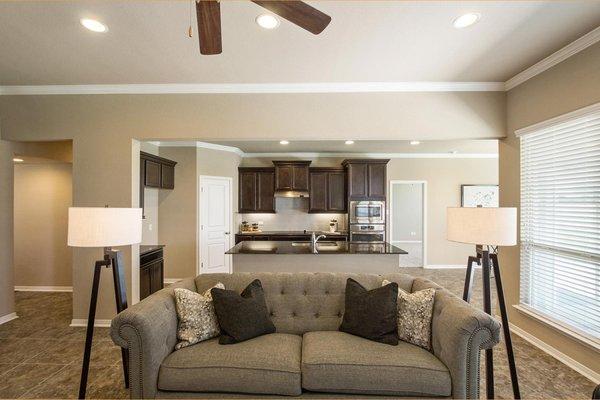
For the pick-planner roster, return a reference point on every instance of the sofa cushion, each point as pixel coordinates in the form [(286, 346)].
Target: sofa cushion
[(340, 362), (266, 364)]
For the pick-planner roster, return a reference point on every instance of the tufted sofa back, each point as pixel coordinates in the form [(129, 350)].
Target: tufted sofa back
[(302, 302)]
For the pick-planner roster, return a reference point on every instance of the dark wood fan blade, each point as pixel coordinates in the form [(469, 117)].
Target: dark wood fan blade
[(209, 26), (299, 13)]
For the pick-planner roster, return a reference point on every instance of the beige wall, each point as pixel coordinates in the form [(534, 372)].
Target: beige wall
[(102, 128), (150, 222), (7, 294), (407, 115), (178, 208), (444, 177), (570, 85), (177, 214), (42, 197)]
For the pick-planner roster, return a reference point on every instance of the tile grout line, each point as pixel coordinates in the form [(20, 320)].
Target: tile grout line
[(42, 382)]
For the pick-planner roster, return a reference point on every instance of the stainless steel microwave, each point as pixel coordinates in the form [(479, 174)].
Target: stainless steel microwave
[(367, 212)]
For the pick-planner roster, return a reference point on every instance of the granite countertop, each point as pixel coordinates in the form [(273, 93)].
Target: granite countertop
[(293, 233), (323, 247), (149, 248)]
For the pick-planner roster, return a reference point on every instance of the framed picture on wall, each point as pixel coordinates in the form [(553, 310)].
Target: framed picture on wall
[(479, 195)]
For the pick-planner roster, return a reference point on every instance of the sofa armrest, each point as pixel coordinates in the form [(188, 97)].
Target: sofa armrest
[(149, 330), (459, 332)]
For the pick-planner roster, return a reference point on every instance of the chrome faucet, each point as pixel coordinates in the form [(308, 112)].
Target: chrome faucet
[(315, 239)]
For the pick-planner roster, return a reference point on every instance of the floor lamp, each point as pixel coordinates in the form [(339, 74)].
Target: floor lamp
[(104, 227), (487, 228)]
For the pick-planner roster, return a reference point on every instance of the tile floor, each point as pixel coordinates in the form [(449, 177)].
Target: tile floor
[(40, 355)]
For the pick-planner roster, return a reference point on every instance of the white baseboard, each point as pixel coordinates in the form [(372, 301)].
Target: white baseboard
[(444, 266), (8, 317), (557, 354), (99, 323), (406, 241), (44, 288), (168, 281)]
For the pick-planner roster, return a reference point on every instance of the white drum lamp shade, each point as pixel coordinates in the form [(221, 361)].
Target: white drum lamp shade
[(104, 226), (493, 226)]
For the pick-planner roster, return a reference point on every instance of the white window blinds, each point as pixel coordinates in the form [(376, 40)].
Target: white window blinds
[(560, 221)]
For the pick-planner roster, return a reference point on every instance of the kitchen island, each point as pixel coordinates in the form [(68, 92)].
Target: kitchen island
[(327, 256)]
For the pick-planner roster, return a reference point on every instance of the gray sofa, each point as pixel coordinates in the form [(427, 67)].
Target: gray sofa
[(307, 354)]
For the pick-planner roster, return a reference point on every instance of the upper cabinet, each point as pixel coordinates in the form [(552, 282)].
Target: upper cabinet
[(327, 190), (291, 175), (157, 172), (366, 178), (256, 192)]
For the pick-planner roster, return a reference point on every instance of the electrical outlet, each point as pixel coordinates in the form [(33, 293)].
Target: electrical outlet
[(149, 227)]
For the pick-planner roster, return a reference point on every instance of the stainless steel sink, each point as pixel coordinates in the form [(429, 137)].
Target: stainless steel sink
[(301, 244), (321, 246)]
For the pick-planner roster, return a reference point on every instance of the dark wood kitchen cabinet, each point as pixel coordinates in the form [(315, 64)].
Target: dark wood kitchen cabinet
[(155, 172), (256, 191), (291, 175), (151, 271), (367, 178), (327, 190)]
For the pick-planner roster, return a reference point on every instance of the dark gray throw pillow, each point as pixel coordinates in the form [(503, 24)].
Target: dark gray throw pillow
[(372, 314), (242, 316)]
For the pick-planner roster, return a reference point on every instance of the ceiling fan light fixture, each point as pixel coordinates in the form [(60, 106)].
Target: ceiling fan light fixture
[(93, 25), (466, 20), (267, 21)]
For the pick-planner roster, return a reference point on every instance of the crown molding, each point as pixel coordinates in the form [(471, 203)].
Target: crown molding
[(241, 153), (200, 145), (223, 88), (370, 155), (569, 50)]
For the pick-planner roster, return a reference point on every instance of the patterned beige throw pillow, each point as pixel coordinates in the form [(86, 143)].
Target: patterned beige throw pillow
[(197, 318), (415, 311)]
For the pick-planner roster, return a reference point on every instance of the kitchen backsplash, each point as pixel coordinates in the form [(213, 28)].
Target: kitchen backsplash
[(292, 215)]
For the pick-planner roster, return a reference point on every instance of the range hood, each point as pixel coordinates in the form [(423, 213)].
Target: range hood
[(291, 193)]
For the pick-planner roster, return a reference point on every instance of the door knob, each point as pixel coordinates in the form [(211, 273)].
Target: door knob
[(227, 233)]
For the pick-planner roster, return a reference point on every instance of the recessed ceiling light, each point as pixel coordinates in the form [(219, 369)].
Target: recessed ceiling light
[(349, 142), (267, 21), (17, 159), (93, 25), (415, 142), (284, 142), (466, 20)]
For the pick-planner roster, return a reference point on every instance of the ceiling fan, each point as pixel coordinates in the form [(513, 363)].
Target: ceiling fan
[(208, 13)]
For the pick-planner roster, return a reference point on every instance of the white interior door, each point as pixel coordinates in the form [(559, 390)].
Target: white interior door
[(215, 224)]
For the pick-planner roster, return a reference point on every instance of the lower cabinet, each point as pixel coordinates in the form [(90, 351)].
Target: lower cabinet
[(151, 273)]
